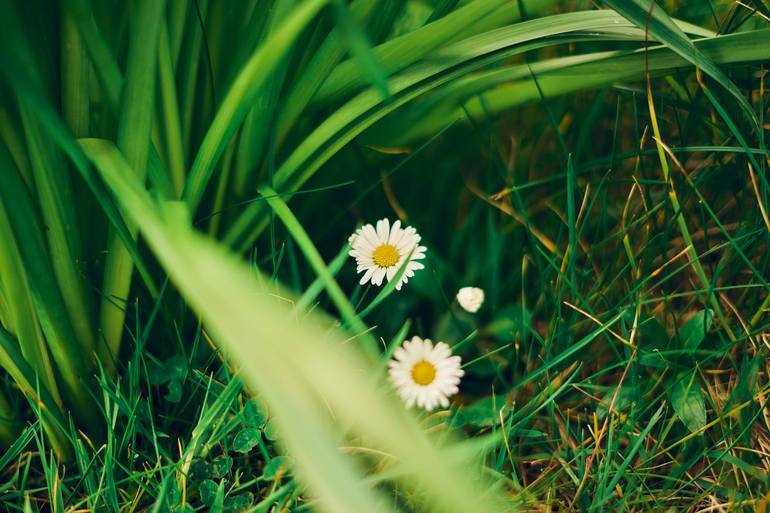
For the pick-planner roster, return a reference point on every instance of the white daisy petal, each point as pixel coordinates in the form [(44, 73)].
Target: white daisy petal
[(423, 374), (378, 275), (383, 230), (367, 275), (368, 233), (395, 231)]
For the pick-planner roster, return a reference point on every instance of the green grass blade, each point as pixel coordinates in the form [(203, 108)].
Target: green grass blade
[(73, 363), (13, 139), (562, 76), (75, 77), (398, 53), (295, 229), (170, 107), (56, 201), (367, 108), (18, 67), (315, 288), (361, 49), (316, 71), (258, 125), (649, 16), (22, 315), (238, 99), (134, 129), (106, 67)]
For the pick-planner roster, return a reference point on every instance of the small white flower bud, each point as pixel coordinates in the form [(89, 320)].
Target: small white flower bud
[(470, 298)]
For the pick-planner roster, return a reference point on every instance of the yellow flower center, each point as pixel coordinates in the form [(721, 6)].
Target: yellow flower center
[(423, 373), (385, 255)]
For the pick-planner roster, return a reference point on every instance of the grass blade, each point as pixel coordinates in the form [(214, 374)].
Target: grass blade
[(319, 266), (647, 15), (238, 99), (134, 141), (72, 362), (398, 53), (22, 317), (56, 201)]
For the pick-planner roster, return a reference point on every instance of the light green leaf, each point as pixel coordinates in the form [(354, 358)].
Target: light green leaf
[(687, 399)]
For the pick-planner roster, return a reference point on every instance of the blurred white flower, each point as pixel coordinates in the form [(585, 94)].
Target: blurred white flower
[(380, 252), (470, 298), (424, 374)]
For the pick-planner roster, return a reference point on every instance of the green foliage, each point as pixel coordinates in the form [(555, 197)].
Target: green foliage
[(181, 328)]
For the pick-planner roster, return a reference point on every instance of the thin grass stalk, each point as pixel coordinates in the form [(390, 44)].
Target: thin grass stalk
[(338, 297), (172, 130), (218, 212)]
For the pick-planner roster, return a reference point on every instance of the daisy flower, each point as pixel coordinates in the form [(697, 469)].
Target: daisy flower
[(470, 298), (380, 252), (424, 374)]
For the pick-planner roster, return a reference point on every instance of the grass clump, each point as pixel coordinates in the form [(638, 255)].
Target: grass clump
[(181, 328)]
